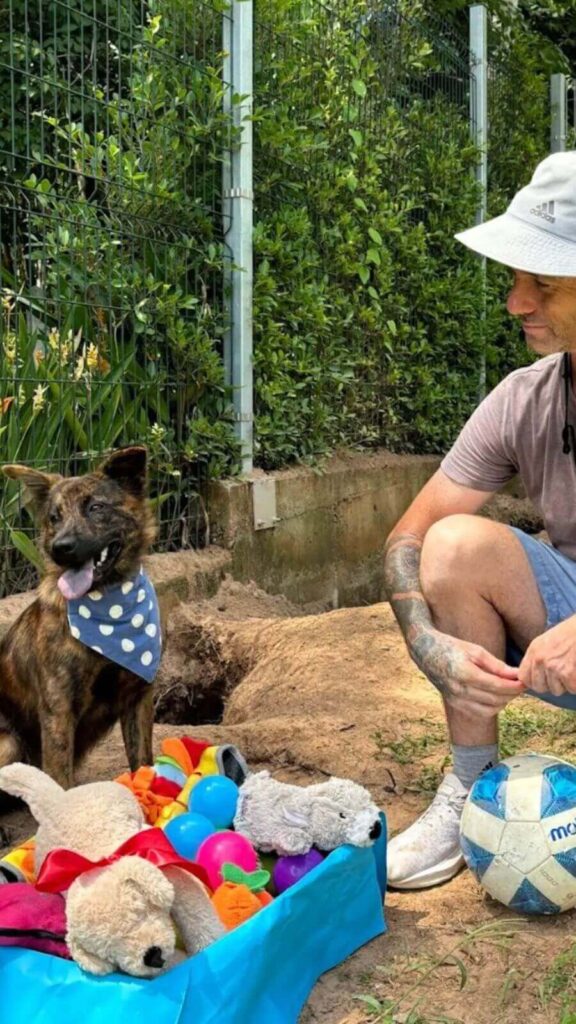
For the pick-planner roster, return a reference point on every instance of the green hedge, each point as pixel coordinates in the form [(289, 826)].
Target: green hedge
[(367, 314)]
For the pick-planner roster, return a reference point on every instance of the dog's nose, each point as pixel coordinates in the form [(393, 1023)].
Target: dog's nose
[(63, 546), (70, 549), (376, 830), (153, 957)]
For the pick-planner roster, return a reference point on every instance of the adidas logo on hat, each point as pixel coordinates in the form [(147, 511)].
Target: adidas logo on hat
[(545, 210), (536, 234)]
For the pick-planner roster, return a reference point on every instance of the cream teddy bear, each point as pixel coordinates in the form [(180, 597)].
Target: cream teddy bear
[(122, 915)]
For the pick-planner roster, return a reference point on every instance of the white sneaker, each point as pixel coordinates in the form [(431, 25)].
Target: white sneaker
[(428, 852)]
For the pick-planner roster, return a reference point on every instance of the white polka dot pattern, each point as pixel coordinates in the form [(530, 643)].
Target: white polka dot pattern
[(122, 623)]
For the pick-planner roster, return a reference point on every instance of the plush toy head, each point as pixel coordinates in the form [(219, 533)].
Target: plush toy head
[(119, 919), (343, 812)]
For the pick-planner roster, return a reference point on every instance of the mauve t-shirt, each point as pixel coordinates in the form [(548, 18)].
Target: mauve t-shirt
[(518, 429)]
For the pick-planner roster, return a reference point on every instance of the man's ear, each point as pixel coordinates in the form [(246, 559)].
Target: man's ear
[(127, 467), (37, 485)]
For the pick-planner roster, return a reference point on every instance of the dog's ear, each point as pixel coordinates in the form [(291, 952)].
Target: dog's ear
[(127, 467), (37, 485)]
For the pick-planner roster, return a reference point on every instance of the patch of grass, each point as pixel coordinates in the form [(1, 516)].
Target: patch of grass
[(559, 985), (519, 725), (500, 933), (411, 748)]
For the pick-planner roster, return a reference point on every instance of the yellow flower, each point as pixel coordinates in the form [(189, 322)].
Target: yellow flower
[(79, 369), (92, 357), (38, 399), (8, 301), (10, 347), (53, 338)]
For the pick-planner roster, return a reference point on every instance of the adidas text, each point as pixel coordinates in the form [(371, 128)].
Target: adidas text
[(545, 210)]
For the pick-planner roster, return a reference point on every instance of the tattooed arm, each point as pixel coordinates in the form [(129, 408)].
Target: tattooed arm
[(457, 668), (402, 582)]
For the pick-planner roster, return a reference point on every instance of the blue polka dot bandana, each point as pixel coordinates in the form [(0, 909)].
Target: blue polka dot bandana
[(122, 623)]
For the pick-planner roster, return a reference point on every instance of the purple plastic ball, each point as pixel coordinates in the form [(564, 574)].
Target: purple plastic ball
[(289, 870)]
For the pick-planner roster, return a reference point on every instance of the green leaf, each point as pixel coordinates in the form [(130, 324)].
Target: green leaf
[(254, 880), (356, 136), (373, 256), (359, 87), (27, 548), (375, 236)]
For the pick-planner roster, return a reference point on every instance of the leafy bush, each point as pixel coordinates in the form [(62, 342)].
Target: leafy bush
[(112, 249), (368, 315)]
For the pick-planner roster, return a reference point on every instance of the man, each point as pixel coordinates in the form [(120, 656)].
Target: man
[(489, 613)]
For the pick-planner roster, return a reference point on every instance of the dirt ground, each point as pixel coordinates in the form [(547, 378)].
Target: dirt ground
[(335, 693)]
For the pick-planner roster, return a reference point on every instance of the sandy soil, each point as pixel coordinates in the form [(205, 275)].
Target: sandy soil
[(335, 693)]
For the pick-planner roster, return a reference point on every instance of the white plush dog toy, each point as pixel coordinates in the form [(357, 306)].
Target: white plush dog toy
[(287, 819)]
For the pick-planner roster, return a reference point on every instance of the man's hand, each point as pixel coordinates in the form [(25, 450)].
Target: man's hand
[(470, 679), (549, 664)]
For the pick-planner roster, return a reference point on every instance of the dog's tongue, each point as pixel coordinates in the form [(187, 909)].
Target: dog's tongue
[(76, 582)]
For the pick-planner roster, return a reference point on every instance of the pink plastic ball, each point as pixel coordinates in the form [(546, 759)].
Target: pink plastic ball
[(225, 848)]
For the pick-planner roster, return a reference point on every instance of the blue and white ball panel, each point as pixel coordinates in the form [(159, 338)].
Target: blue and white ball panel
[(480, 827), (555, 884), (530, 900), (558, 790), (489, 790)]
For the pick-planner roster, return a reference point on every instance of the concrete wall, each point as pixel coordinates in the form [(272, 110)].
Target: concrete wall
[(324, 548), (330, 527)]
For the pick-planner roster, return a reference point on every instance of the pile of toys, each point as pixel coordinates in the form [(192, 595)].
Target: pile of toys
[(136, 874)]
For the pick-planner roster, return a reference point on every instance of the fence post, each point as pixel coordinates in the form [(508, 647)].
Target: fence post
[(558, 90), (238, 197), (479, 128)]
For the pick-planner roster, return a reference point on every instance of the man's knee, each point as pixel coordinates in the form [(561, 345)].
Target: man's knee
[(456, 549)]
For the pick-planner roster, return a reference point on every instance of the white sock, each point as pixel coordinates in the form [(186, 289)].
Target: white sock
[(470, 761)]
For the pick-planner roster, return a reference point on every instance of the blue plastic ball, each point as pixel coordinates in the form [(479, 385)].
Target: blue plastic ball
[(216, 797), (187, 831)]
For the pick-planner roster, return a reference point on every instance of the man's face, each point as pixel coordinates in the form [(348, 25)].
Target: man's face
[(546, 307)]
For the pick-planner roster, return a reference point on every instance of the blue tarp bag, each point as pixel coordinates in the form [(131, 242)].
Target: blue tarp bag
[(260, 973)]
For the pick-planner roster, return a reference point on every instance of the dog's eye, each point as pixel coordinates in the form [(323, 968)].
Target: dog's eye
[(54, 517), (96, 506)]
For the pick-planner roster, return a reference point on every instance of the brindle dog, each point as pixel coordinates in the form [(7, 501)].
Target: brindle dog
[(57, 696)]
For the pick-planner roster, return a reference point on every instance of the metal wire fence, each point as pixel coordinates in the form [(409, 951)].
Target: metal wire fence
[(372, 325), (358, 107), (111, 143), (369, 321)]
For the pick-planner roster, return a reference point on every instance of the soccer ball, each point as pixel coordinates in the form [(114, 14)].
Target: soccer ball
[(518, 833)]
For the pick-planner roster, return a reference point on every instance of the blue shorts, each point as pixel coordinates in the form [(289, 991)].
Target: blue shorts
[(555, 575)]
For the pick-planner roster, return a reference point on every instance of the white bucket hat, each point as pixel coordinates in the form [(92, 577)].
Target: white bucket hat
[(537, 233)]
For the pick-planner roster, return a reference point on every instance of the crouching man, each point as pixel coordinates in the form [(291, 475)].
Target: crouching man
[(489, 613)]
